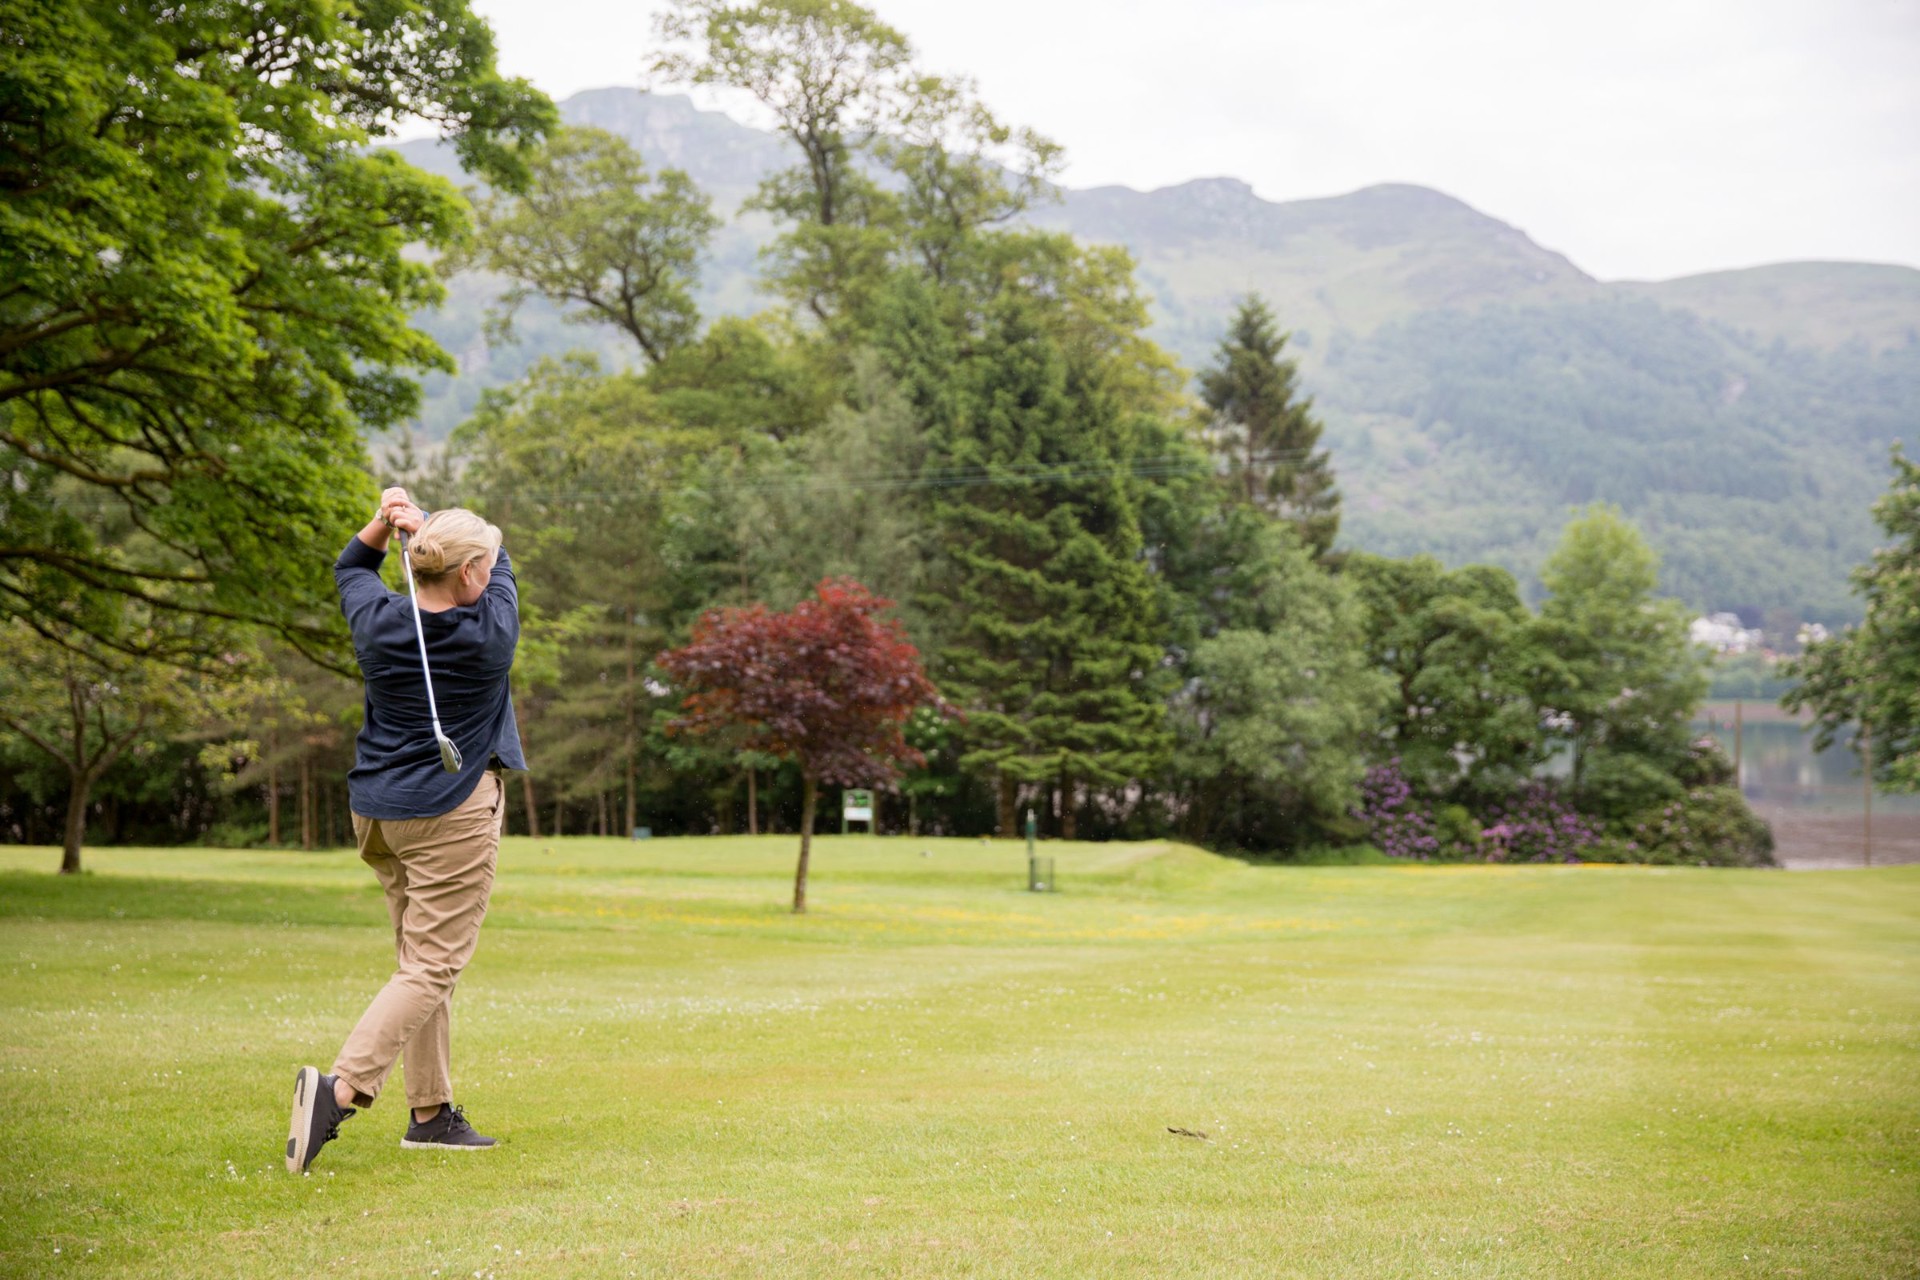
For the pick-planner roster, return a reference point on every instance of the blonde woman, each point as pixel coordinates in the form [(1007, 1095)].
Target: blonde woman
[(430, 836)]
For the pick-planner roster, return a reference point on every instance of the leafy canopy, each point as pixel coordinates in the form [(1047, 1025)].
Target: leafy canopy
[(594, 230), (1626, 678), (1467, 668), (1870, 675), (204, 298), (828, 684)]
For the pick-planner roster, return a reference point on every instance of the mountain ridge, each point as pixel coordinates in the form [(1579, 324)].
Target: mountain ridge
[(728, 158)]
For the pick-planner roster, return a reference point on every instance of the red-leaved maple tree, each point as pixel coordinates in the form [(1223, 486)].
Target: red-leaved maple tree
[(828, 686)]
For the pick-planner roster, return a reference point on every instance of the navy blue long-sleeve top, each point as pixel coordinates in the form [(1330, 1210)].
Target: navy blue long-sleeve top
[(397, 771)]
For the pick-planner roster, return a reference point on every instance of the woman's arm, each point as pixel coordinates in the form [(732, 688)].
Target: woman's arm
[(503, 597), (356, 574)]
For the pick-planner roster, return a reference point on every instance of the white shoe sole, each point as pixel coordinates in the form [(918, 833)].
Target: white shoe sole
[(306, 1084), (441, 1146)]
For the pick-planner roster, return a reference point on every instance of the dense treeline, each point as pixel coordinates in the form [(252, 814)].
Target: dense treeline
[(1131, 595)]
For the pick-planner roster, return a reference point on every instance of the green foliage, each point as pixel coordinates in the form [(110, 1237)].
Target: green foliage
[(1707, 826), (1870, 675), (1043, 592), (592, 229), (83, 705), (746, 379), (961, 170), (956, 406), (282, 720), (1625, 678), (1465, 659), (1264, 430), (829, 71), (206, 295), (1280, 705), (898, 167), (1473, 384), (842, 502)]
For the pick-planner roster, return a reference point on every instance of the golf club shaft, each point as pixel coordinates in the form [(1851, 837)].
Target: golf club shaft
[(406, 562)]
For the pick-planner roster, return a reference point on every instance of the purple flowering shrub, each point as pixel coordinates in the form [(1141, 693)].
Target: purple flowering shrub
[(1397, 823), (1536, 824)]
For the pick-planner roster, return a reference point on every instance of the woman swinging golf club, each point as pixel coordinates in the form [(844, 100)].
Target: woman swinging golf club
[(426, 793)]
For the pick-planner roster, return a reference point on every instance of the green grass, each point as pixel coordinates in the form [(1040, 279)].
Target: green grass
[(1459, 1071)]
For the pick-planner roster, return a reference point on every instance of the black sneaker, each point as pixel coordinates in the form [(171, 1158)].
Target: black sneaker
[(447, 1131), (316, 1118)]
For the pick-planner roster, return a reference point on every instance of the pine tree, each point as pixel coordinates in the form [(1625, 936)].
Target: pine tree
[(1048, 607), (1265, 432)]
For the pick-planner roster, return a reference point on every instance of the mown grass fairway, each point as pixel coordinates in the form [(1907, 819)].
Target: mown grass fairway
[(1400, 1071)]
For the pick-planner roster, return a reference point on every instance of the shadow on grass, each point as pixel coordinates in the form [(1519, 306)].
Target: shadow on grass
[(33, 896)]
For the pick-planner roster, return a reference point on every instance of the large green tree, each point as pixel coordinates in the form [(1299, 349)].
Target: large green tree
[(204, 289), (1264, 429), (830, 73), (1869, 676), (1627, 677), (1044, 589), (594, 231), (84, 705), (1464, 657), (896, 166), (1280, 704)]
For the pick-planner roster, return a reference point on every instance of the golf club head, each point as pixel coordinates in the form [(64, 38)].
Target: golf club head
[(449, 754)]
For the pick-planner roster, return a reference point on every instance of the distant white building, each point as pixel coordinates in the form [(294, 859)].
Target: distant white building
[(1722, 633)]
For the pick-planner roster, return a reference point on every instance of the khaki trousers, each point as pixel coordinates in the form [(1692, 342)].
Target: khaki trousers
[(438, 874)]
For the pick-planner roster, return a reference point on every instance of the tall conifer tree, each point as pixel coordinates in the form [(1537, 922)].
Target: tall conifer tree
[(1265, 431), (1051, 614)]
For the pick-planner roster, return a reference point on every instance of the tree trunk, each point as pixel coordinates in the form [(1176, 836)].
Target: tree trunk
[(753, 801), (333, 813), (633, 730), (913, 814), (1008, 820), (306, 803), (78, 788), (533, 810), (559, 827), (806, 846), (273, 804), (600, 803), (1069, 826)]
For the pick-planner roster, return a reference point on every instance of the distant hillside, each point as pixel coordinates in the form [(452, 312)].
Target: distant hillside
[(1475, 385), (1342, 264), (1822, 304)]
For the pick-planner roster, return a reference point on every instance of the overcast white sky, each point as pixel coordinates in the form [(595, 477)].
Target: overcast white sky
[(1642, 138)]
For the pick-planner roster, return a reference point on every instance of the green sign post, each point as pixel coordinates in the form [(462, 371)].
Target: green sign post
[(856, 806)]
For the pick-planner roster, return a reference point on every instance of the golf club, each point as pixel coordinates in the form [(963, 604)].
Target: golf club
[(449, 754)]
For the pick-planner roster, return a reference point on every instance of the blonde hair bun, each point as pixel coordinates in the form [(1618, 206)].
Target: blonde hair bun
[(448, 540)]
